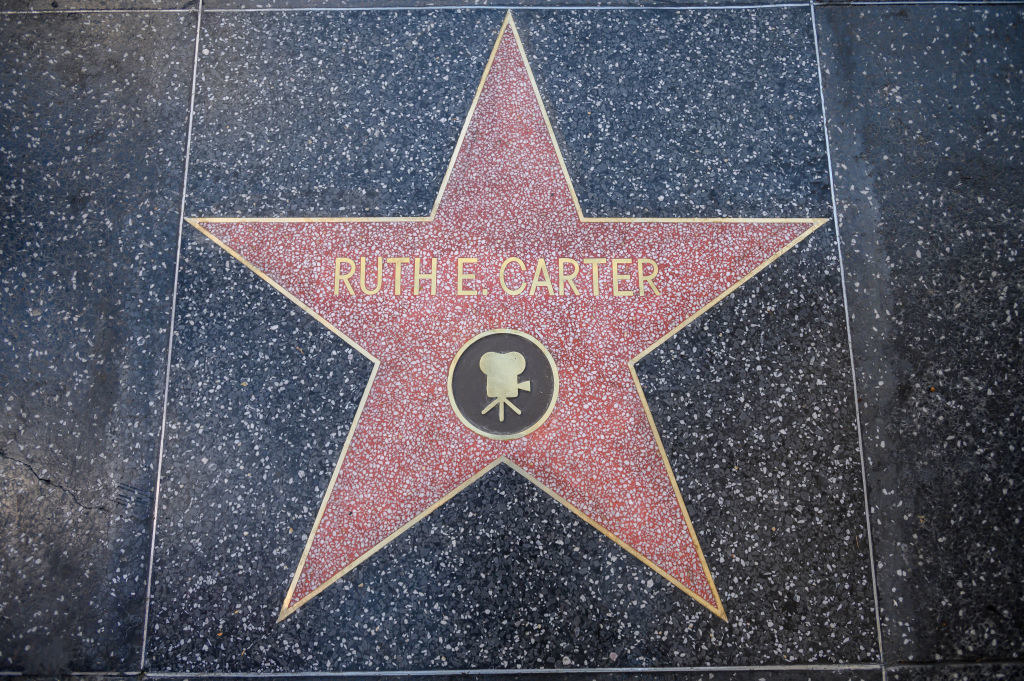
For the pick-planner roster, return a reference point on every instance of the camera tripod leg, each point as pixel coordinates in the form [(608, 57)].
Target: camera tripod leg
[(491, 405)]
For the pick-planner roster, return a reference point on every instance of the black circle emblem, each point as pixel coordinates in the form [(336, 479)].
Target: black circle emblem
[(502, 384)]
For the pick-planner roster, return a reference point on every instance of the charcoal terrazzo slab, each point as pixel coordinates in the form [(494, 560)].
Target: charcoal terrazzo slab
[(926, 140), (316, 114), (356, 114), (58, 5), (946, 672), (750, 395), (712, 111), (312, 144), (883, 2), (853, 674), (92, 153), (455, 4)]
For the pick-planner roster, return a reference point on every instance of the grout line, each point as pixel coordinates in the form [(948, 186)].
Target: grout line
[(104, 674), (929, 664), (886, 3), (514, 672), (170, 337), (138, 10), (406, 8), (849, 342)]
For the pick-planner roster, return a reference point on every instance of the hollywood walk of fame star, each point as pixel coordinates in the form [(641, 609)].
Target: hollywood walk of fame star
[(495, 253)]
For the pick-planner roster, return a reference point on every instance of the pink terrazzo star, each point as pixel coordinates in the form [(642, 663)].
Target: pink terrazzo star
[(506, 195)]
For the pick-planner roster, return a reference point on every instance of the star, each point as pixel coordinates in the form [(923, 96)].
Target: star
[(506, 246)]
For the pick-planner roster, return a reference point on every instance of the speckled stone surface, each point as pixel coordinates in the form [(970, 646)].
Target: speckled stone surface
[(91, 160), (359, 118), (313, 143), (675, 675), (747, 395), (302, 113), (692, 113), (971, 672), (658, 113), (927, 145), (453, 4), (55, 6)]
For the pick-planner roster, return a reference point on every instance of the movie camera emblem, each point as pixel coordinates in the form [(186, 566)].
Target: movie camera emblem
[(503, 384)]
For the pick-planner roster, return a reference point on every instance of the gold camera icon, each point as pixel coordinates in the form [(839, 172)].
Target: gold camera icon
[(502, 370)]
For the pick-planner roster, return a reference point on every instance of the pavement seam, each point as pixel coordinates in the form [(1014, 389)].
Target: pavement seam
[(519, 672), (849, 341), (507, 8), (170, 337), (408, 8), (95, 10)]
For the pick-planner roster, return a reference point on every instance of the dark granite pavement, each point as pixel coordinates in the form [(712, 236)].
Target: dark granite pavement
[(704, 111), (94, 120), (927, 155)]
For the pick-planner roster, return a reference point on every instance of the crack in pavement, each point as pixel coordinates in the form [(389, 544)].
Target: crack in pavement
[(51, 483)]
